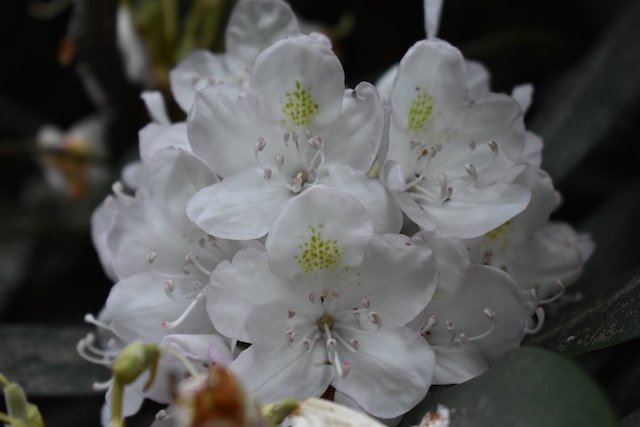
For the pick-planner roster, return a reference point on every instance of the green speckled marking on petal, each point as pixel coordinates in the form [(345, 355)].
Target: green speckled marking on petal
[(500, 233), (420, 111), (299, 106), (318, 253)]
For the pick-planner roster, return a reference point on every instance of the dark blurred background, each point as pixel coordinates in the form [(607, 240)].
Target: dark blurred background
[(50, 274)]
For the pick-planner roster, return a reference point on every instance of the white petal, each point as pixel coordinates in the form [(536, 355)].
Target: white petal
[(319, 231), (485, 287), (173, 176), (256, 24), (558, 251), (301, 82), (431, 71), (384, 84), (355, 137), (240, 207), (457, 363), (523, 94), (532, 153), (155, 106), (233, 293), (276, 369), (139, 305), (475, 211), (100, 224), (478, 79), (224, 126), (398, 277), (194, 73), (192, 346), (154, 137), (393, 178), (393, 361), (379, 203)]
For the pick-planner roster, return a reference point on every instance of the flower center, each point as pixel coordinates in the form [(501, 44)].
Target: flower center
[(426, 185), (298, 167), (338, 328)]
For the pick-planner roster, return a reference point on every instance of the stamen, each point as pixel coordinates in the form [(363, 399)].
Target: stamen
[(366, 303), (91, 353), (162, 415), (374, 317), (433, 321), (306, 343), (471, 170), (494, 146), (472, 145), (335, 293), (261, 143), (297, 183), (279, 159), (267, 173), (489, 315), (291, 313), (151, 256), (312, 297), (194, 260), (312, 176), (355, 343), (325, 293), (101, 386), (90, 318), (442, 178), (413, 144), (331, 345), (291, 334), (540, 321), (285, 139), (187, 311), (451, 327), (558, 295)]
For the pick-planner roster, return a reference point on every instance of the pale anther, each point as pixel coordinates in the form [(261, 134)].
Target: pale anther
[(312, 297), (374, 317), (261, 144), (355, 343), (291, 313), (291, 334), (471, 170), (366, 303), (267, 173), (494, 146), (151, 256)]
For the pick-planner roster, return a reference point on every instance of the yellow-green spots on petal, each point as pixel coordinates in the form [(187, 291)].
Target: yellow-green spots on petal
[(299, 106), (318, 253), (499, 234), (420, 111)]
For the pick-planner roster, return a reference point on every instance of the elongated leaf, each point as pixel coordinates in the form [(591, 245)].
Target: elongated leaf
[(44, 361), (585, 106), (631, 420), (609, 317), (528, 387)]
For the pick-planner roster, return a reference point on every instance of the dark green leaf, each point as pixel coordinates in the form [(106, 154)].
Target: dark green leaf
[(631, 420), (586, 104), (609, 317), (44, 361), (528, 387)]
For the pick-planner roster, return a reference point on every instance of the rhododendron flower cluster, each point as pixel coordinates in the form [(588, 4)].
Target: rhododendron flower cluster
[(368, 241)]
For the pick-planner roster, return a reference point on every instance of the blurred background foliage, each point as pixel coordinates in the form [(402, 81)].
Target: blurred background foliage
[(581, 55)]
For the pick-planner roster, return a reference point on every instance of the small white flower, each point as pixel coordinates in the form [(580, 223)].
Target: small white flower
[(447, 153), (325, 305)]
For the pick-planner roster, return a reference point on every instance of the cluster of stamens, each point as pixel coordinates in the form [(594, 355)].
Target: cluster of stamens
[(420, 169), (300, 170), (454, 335), (325, 327)]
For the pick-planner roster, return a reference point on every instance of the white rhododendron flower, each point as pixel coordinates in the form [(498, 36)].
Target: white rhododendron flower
[(447, 153), (262, 234), (294, 128), (329, 307)]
